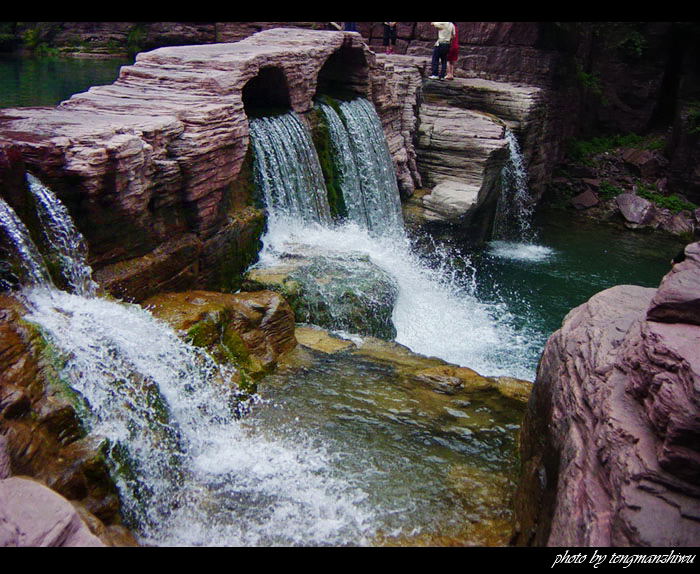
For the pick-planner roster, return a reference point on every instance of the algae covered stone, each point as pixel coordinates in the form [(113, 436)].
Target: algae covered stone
[(343, 292)]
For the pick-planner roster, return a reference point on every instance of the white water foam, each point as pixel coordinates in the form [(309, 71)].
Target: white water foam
[(521, 251), (207, 478), (436, 313)]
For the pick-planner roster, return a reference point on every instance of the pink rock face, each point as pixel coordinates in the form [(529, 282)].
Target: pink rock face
[(34, 515), (678, 297), (610, 445), (154, 158)]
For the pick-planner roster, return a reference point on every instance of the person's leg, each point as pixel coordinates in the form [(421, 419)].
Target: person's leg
[(443, 59), (436, 61)]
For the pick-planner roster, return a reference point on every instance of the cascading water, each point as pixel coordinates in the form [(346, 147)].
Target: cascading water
[(66, 243), (436, 312), (284, 164), (29, 263), (513, 234), (188, 470), (515, 206), (368, 181)]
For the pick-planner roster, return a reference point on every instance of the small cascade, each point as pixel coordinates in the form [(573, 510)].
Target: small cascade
[(66, 243), (368, 180), (435, 311), (287, 170), (374, 166), (29, 265), (513, 221), (189, 469)]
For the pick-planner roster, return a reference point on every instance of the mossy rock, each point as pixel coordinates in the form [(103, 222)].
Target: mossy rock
[(347, 293)]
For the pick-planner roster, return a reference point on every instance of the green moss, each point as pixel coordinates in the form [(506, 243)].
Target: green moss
[(673, 202), (217, 336), (53, 362), (693, 117), (324, 150), (584, 150)]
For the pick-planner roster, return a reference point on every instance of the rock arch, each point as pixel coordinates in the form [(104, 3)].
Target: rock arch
[(267, 90), (345, 73)]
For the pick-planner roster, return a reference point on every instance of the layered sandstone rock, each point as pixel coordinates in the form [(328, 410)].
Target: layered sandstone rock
[(609, 444), (250, 329), (462, 148), (150, 166)]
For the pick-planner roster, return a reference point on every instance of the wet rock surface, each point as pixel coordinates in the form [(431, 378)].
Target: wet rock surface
[(346, 293), (52, 465), (250, 329)]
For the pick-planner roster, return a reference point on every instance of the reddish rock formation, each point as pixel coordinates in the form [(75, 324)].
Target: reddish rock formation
[(610, 442), (149, 166)]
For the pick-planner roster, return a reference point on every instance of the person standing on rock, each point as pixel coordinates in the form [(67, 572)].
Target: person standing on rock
[(389, 37), (453, 54), (442, 46)]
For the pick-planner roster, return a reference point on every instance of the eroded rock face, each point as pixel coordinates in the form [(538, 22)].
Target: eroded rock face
[(149, 166), (609, 444)]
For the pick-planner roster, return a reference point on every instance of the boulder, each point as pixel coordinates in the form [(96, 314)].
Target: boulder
[(585, 200), (647, 163), (33, 515), (345, 292), (678, 298), (450, 200), (635, 209), (609, 443), (251, 330)]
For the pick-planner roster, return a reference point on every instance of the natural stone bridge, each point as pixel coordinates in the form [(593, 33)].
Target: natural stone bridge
[(150, 166), (154, 170)]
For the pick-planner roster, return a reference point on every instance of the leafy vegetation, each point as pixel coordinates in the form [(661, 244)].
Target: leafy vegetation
[(608, 190), (672, 202)]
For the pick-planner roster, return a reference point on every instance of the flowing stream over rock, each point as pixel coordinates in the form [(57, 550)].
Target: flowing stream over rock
[(188, 470), (436, 312)]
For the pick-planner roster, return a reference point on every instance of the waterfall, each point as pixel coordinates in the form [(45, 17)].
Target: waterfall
[(65, 241), (287, 169), (436, 312), (368, 180), (189, 469), (29, 263), (513, 221)]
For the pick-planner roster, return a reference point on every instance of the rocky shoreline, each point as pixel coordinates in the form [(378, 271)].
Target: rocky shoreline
[(609, 442)]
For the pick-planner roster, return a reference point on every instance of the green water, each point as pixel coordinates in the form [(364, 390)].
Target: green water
[(573, 259), (438, 468), (26, 81)]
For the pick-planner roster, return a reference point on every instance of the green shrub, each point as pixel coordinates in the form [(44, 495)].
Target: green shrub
[(584, 150), (672, 202)]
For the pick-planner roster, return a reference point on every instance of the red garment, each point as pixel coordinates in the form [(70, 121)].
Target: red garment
[(453, 53)]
